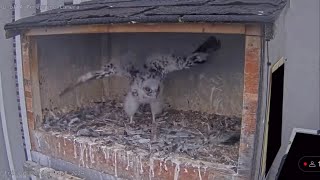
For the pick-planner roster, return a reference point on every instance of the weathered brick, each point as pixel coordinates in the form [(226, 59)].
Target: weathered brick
[(25, 58), (252, 68), (250, 103), (30, 119), (27, 94), (249, 125), (26, 69), (251, 85), (27, 85), (30, 115), (115, 161), (29, 104)]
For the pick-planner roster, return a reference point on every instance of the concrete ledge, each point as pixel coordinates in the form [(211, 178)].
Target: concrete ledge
[(44, 172)]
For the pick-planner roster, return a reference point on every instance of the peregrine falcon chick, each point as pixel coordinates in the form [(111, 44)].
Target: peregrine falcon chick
[(146, 82)]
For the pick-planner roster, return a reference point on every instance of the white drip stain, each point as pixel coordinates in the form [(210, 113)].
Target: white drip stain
[(165, 165), (115, 163), (176, 171), (75, 149), (108, 153), (199, 171), (64, 141), (87, 154), (85, 151), (128, 160), (81, 154), (104, 152), (64, 144), (38, 139), (59, 147), (91, 153), (160, 167), (141, 169), (151, 168), (82, 149)]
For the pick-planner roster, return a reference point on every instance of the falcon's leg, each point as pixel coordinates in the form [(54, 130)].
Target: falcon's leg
[(153, 118), (156, 108), (131, 105)]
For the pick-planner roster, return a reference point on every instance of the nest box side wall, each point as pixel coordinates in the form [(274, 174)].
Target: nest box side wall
[(252, 93)]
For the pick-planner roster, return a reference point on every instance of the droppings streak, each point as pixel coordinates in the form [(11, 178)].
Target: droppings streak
[(165, 165), (160, 167), (128, 161), (115, 163), (82, 149), (199, 171), (91, 154), (151, 168), (59, 147), (87, 154), (104, 152), (176, 171), (141, 169), (75, 149)]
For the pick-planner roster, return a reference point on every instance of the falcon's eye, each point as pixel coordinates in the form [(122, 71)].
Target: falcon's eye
[(147, 89)]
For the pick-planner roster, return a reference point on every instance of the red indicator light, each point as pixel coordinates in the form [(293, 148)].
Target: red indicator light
[(305, 163)]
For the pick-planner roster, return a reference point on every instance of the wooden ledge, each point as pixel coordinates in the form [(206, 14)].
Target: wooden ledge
[(130, 28)]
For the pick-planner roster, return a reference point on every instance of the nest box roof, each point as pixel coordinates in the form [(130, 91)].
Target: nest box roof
[(153, 11)]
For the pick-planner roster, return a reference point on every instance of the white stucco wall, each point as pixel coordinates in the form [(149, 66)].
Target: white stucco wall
[(11, 144), (298, 41)]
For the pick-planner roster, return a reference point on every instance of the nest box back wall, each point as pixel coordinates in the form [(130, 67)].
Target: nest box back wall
[(214, 87), (61, 60)]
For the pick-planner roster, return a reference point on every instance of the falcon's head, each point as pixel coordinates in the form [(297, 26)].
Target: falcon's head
[(151, 88)]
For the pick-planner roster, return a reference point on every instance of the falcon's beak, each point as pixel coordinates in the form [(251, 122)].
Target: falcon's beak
[(158, 92)]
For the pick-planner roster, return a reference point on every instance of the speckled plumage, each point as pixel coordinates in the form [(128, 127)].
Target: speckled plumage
[(146, 81)]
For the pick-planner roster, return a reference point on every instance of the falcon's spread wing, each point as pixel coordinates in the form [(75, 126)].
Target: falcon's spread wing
[(154, 66), (117, 69), (168, 63)]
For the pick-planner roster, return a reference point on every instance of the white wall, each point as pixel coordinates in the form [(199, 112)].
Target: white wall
[(301, 105), (11, 136), (11, 144), (299, 40)]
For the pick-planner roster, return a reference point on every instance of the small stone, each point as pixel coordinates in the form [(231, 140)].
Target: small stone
[(87, 132), (143, 141)]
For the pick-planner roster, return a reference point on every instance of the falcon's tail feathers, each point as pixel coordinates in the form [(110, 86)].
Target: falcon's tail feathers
[(211, 44), (200, 55)]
